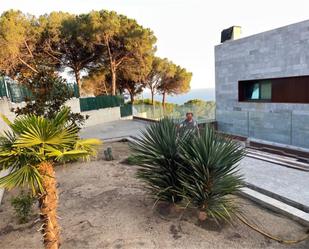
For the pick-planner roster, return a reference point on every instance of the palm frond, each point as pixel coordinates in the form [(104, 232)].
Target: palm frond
[(61, 117), (24, 176), (63, 155), (90, 145), (5, 119)]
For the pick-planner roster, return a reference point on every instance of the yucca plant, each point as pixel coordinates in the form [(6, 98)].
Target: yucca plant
[(156, 152), (209, 174), (30, 150)]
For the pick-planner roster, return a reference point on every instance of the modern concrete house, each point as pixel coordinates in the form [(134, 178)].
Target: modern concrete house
[(262, 86)]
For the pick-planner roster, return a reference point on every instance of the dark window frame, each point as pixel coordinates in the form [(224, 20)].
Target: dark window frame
[(290, 90), (251, 83)]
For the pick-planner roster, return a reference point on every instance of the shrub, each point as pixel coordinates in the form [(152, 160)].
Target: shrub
[(49, 95), (209, 174), (200, 170), (157, 157), (22, 205)]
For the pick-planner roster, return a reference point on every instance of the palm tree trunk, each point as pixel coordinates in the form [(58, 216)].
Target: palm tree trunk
[(48, 202)]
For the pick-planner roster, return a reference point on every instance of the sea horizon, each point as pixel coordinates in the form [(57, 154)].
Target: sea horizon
[(206, 94)]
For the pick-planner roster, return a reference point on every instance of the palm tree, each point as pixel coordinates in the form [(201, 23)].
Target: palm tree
[(31, 150)]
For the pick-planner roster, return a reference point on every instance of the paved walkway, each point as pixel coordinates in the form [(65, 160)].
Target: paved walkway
[(114, 129), (286, 182), (291, 184)]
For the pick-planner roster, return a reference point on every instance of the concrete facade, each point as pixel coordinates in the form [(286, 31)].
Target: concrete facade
[(282, 52)]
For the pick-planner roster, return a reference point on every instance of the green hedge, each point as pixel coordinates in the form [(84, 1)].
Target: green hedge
[(126, 110)]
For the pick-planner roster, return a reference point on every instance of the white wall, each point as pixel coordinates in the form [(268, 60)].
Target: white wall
[(5, 107), (95, 117), (73, 104), (102, 116)]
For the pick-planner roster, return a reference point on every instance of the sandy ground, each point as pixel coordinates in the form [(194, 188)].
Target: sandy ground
[(102, 205)]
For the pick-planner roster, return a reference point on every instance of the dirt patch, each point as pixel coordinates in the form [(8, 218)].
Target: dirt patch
[(102, 205)]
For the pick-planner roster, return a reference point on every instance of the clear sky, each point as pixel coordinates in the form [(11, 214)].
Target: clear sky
[(187, 30)]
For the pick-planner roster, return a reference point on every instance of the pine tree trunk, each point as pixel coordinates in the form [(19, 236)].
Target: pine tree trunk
[(163, 100), (132, 98), (77, 78), (113, 71), (152, 97), (113, 66), (48, 202)]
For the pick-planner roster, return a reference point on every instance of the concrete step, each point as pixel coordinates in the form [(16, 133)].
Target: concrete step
[(278, 197), (276, 205), (288, 158), (280, 160)]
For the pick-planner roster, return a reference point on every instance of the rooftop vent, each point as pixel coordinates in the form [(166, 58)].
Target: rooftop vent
[(232, 33)]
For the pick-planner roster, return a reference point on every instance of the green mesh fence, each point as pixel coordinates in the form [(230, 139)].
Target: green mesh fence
[(100, 102), (73, 88), (17, 92), (126, 110), (3, 92)]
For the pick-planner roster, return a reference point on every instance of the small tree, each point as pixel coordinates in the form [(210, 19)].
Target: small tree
[(173, 79), (132, 74), (31, 149), (49, 94), (166, 78), (154, 77)]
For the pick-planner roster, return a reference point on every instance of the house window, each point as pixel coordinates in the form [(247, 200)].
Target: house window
[(276, 90), (257, 90)]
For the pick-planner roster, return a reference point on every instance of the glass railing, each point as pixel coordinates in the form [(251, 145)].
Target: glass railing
[(202, 112)]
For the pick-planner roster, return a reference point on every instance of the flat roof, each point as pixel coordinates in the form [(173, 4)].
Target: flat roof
[(262, 33)]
